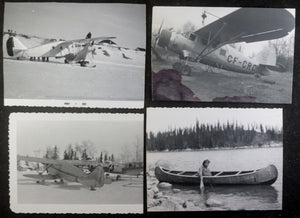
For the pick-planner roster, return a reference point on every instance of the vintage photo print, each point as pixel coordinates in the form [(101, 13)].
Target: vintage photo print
[(76, 163), (74, 54), (211, 159), (220, 54)]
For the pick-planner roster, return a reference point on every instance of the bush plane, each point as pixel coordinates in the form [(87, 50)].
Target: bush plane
[(73, 51), (210, 44), (67, 170)]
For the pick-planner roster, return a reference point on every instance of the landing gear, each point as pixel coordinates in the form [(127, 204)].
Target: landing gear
[(42, 182), (184, 69), (61, 181), (83, 63)]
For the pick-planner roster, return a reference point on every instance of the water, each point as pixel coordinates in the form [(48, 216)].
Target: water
[(262, 197)]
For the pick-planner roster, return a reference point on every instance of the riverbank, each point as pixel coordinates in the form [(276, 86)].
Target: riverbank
[(271, 145), (166, 197)]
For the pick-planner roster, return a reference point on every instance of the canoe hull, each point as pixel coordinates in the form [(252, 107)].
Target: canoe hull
[(264, 176)]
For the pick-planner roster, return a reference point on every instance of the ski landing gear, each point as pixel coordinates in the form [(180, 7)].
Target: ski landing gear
[(182, 68)]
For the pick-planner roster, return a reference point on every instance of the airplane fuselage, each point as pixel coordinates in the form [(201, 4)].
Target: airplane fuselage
[(225, 57)]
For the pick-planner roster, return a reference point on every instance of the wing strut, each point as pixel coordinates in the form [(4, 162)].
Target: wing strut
[(219, 46), (212, 40)]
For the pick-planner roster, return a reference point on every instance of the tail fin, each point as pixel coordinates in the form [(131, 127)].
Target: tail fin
[(14, 46), (94, 179), (267, 59)]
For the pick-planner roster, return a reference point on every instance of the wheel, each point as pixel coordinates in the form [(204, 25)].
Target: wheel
[(186, 70), (118, 177), (177, 66)]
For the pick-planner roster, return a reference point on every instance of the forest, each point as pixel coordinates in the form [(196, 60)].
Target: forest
[(210, 136)]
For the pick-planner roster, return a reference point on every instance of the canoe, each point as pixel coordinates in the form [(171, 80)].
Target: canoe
[(263, 176)]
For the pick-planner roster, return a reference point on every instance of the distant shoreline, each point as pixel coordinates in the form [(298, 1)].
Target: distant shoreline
[(277, 145)]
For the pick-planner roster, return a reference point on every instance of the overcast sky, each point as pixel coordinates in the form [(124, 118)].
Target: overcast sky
[(107, 132), (69, 21), (176, 17), (162, 119)]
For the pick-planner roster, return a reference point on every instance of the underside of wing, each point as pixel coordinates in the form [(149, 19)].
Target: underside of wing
[(247, 25), (82, 162)]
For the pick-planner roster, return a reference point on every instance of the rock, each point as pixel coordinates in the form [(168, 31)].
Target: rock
[(153, 202), (188, 204), (150, 194), (158, 195), (176, 190), (213, 203), (164, 185), (170, 205), (176, 200), (155, 190)]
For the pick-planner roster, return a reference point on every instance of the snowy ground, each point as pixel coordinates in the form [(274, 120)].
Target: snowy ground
[(127, 191), (114, 78)]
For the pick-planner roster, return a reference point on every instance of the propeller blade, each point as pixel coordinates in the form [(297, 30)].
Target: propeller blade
[(158, 34)]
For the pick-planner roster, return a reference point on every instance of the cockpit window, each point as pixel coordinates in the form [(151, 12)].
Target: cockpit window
[(192, 37)]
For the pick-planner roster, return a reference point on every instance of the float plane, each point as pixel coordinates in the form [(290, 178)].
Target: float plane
[(210, 44), (73, 51), (67, 170)]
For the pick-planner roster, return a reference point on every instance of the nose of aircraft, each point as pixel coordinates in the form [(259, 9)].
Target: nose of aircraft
[(164, 38)]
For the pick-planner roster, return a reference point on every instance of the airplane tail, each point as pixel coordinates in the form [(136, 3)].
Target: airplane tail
[(94, 179), (267, 61), (14, 46)]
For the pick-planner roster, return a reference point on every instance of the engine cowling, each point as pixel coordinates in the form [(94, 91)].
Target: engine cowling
[(10, 46), (164, 38)]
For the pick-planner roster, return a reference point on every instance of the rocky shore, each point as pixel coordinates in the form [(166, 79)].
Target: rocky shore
[(165, 197)]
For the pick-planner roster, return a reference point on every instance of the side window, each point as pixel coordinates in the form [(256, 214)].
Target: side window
[(192, 37), (222, 52)]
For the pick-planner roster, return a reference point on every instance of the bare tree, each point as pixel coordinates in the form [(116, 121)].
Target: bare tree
[(188, 28)]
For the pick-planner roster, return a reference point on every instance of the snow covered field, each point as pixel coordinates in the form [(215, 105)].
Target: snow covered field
[(121, 194), (118, 76)]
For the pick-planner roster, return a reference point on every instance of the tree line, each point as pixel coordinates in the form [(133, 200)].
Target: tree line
[(78, 151), (210, 136)]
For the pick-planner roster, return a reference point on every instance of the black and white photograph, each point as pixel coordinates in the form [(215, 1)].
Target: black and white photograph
[(222, 54), (76, 163), (74, 54), (212, 159)]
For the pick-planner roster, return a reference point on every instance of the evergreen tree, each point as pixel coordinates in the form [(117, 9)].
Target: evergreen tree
[(101, 158)]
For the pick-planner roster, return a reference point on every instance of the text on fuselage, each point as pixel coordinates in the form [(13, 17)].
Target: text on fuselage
[(244, 64)]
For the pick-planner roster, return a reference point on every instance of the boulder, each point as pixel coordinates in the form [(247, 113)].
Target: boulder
[(170, 205), (150, 194), (153, 202), (164, 185), (155, 190), (213, 203), (176, 190), (158, 195)]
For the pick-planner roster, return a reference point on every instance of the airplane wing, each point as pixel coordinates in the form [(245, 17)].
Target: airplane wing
[(248, 25), (82, 162), (51, 161), (65, 44), (37, 159)]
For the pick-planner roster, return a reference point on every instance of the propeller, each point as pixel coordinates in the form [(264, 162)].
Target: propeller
[(158, 34)]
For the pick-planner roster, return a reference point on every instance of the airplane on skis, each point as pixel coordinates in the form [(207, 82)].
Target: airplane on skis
[(210, 44), (67, 170), (73, 51)]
